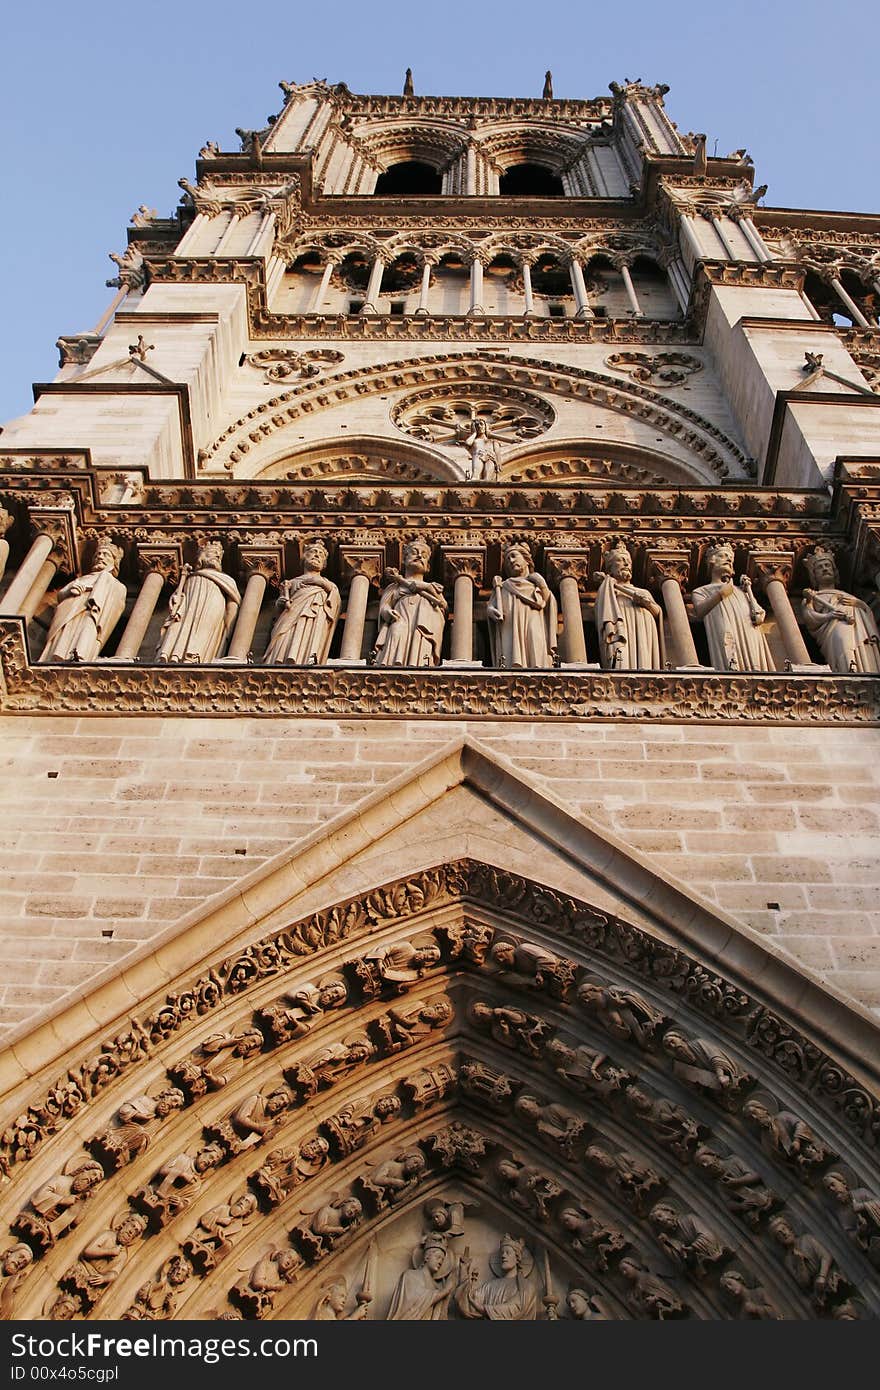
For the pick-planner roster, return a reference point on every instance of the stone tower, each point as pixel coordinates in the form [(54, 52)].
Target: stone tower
[(439, 685)]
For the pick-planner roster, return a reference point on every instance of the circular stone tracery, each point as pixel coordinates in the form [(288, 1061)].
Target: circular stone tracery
[(448, 416)]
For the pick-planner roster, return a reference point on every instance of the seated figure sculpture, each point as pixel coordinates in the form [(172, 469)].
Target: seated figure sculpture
[(843, 625), (626, 618), (412, 613), (89, 607), (522, 615), (201, 612), (732, 616), (309, 611)]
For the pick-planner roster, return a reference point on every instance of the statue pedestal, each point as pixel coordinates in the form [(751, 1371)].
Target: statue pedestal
[(579, 666), (338, 661), (463, 665), (813, 669)]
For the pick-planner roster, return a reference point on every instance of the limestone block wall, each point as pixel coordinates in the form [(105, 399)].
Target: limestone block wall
[(114, 828)]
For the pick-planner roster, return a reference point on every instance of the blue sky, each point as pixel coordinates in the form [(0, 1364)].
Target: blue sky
[(104, 107)]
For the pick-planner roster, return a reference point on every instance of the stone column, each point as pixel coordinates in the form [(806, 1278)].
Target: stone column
[(374, 287), (470, 183), (729, 249), (463, 568), (26, 577), (630, 289), (773, 573), (191, 234), (476, 288), (262, 565), (257, 237), (54, 547), (669, 571), (527, 288), (38, 589), (752, 236), (569, 569), (158, 564), (691, 238), (425, 289), (362, 567), (5, 522), (575, 270), (850, 304), (324, 285)]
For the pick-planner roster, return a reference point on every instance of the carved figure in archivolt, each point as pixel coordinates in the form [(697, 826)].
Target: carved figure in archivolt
[(556, 1124), (89, 607), (808, 1262), (329, 1223), (622, 1012), (485, 1084), (422, 1293), (253, 1120), (104, 1258), (529, 966), (156, 1300), (512, 1027), (586, 1070), (860, 1211), (687, 1238), (703, 1063), (587, 1232), (391, 1179), (310, 607), (742, 1188), (670, 1123), (285, 1169), (333, 1301), (332, 1062), (212, 1239), (528, 1187), (57, 1205), (843, 625), (787, 1136), (522, 615), (508, 1295), (221, 1057), (14, 1265), (256, 1292), (404, 1025), (412, 613), (297, 1013), (178, 1183), (731, 616), (628, 620), (396, 967), (358, 1121), (648, 1294), (634, 1179), (135, 1122), (201, 612), (586, 1307), (752, 1300)]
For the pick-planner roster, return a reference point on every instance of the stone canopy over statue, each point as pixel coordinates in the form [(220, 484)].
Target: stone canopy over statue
[(412, 613), (843, 626), (89, 607), (627, 618), (731, 616), (201, 612), (309, 612), (522, 615)]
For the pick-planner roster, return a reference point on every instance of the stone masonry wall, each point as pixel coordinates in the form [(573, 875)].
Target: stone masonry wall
[(114, 827)]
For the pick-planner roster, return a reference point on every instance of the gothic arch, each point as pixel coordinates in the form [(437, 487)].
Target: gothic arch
[(362, 457), (589, 1066), (716, 456)]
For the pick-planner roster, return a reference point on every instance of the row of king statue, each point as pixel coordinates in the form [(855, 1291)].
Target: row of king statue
[(521, 612)]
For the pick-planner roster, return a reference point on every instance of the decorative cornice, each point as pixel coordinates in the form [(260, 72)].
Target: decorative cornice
[(325, 692)]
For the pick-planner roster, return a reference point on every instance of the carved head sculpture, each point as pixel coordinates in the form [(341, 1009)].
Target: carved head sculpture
[(719, 560), (243, 1206), (210, 556), (314, 557), (332, 993), (664, 1216), (108, 556), (781, 1229), (618, 563), (578, 1301), (350, 1210), (314, 1151), (386, 1106), (517, 560), (708, 1160), (335, 1297), (435, 1254), (837, 1186), (287, 1262), (16, 1258), (211, 1156), (132, 1225), (178, 1270), (280, 1099), (821, 568), (416, 556), (511, 1255)]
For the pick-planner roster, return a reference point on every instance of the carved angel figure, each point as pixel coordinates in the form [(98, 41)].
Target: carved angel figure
[(390, 1179), (201, 612), (89, 607), (256, 1293), (178, 1182), (359, 1120), (220, 1057), (403, 1026), (333, 1061), (329, 1223), (309, 607), (211, 1241), (412, 613), (285, 1169), (522, 615)]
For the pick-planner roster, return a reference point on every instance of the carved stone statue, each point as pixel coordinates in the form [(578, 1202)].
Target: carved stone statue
[(585, 1070), (484, 465), (509, 1295), (259, 1115), (860, 1212), (588, 1232), (808, 1262), (485, 1084), (705, 1064), (359, 1121), (332, 1062), (731, 616), (220, 1057), (554, 1123), (404, 1025), (529, 966), (626, 618), (178, 1183), (14, 1264), (211, 1241), (635, 1179), (331, 1305), (396, 967), (786, 1135), (622, 1012), (670, 1123), (389, 1180), (412, 613), (201, 612), (256, 1293), (57, 1205), (743, 1189), (157, 1299), (130, 1136), (687, 1238), (528, 1187), (843, 625), (104, 1258), (329, 1223), (297, 1013), (752, 1299), (587, 1307), (309, 612), (648, 1294), (422, 1293), (89, 607), (522, 615), (285, 1169), (512, 1027)]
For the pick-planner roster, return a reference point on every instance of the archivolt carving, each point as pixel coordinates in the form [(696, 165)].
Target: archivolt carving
[(445, 416), (502, 1090), (714, 449)]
